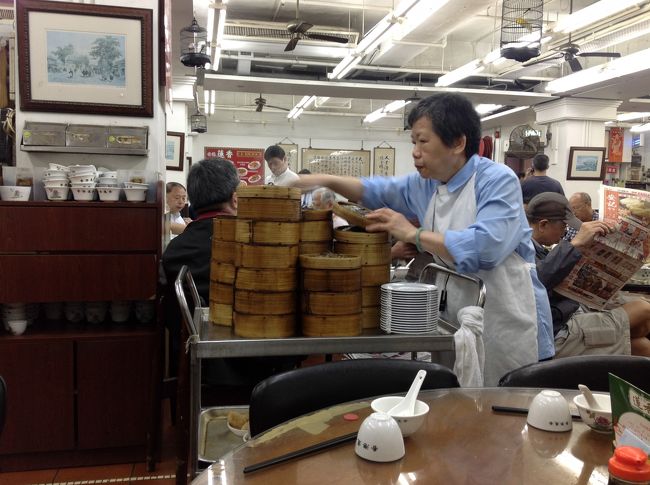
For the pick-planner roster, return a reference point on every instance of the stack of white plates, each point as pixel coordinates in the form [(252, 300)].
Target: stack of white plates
[(409, 308)]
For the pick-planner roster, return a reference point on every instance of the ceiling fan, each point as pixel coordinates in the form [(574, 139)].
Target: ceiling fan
[(298, 29), (260, 103), (569, 52)]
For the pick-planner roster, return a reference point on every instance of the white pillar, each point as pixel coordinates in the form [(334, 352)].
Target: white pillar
[(574, 122)]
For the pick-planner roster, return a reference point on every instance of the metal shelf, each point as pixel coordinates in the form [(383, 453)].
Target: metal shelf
[(95, 150)]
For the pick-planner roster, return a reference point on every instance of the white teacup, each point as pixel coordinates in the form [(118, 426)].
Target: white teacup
[(549, 411), (17, 327), (379, 439), (120, 311)]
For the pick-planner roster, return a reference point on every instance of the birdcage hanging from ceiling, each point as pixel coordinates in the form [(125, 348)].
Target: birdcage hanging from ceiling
[(194, 45), (521, 29)]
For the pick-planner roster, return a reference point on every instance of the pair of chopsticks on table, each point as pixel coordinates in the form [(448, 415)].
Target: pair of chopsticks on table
[(302, 452), (511, 410)]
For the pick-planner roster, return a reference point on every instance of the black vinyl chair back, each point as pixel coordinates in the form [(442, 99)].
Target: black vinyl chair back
[(590, 370), (3, 402), (291, 394)]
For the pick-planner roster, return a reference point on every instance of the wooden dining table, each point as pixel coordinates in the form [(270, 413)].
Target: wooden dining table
[(462, 441)]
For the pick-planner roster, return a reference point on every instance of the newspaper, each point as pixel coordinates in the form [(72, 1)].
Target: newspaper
[(609, 263)]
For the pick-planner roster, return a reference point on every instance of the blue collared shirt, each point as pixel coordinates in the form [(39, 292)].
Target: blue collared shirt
[(501, 226)]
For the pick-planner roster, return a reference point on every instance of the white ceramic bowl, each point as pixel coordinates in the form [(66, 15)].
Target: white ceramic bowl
[(135, 195), (379, 439), (55, 183), (57, 193), (82, 179), (56, 166), (14, 193), (549, 411), (599, 420), (108, 194), (135, 185), (83, 193), (55, 174), (408, 424), (17, 327)]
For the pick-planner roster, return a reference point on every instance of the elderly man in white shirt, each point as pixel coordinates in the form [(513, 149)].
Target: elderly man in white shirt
[(281, 174)]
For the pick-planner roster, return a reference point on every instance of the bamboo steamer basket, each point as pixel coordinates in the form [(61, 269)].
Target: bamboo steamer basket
[(370, 316), (316, 215), (371, 296), (331, 326), (329, 261), (225, 251), (269, 257), (316, 231), (222, 293), (375, 275), (337, 280), (269, 203), (220, 314), (264, 326), (317, 247), (223, 228), (331, 303), (222, 272), (267, 232), (259, 303), (371, 254), (266, 279), (354, 235)]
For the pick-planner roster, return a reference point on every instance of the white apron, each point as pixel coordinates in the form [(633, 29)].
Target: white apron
[(510, 323)]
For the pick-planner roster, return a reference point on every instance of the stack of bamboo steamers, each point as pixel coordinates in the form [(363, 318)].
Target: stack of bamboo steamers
[(273, 275)]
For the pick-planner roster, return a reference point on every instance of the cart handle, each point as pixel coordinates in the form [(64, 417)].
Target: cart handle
[(184, 274), (480, 301)]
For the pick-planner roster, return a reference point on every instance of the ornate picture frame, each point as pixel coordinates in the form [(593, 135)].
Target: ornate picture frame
[(103, 68), (586, 163)]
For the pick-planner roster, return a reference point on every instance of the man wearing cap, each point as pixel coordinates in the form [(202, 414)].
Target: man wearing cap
[(578, 330)]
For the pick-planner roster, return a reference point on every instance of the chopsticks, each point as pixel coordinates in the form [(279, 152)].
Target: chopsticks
[(508, 409), (302, 452)]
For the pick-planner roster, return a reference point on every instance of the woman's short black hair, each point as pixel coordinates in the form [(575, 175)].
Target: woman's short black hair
[(211, 183), (452, 116), (274, 151)]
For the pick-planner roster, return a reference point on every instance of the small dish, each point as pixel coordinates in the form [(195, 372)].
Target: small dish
[(108, 194), (83, 193), (14, 193), (135, 194), (239, 432), (57, 193), (597, 419)]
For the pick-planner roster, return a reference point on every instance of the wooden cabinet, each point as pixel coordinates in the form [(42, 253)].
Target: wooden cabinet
[(79, 394)]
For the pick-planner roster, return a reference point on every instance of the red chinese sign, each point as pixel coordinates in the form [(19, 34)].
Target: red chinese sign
[(249, 162), (612, 169), (615, 148)]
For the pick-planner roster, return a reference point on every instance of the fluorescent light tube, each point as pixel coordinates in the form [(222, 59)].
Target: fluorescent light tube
[(487, 108), (640, 128), (383, 111), (462, 72), (375, 115), (639, 61), (593, 13), (504, 113), (633, 115)]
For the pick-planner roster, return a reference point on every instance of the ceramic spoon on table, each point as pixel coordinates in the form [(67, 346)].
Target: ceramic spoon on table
[(589, 397), (406, 407)]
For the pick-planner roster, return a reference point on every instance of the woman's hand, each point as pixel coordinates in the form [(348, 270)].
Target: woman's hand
[(403, 250), (390, 221)]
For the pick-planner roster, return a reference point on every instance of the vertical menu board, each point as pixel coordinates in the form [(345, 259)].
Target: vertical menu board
[(291, 151), (249, 162), (384, 161), (355, 163)]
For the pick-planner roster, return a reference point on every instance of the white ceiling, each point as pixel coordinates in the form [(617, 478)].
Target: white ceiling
[(459, 32)]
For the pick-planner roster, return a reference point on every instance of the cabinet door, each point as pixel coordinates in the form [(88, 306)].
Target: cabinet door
[(115, 387), (40, 396)]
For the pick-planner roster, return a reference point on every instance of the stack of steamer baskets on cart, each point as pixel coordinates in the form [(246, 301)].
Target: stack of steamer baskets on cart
[(266, 247), (374, 250)]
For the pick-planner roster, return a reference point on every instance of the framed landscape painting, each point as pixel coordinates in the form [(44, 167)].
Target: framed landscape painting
[(85, 58), (174, 150), (586, 163)]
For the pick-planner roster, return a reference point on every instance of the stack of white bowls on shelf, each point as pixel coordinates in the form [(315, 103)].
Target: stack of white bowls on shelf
[(56, 182), (95, 311), (17, 316), (409, 308), (107, 186), (83, 179), (135, 192)]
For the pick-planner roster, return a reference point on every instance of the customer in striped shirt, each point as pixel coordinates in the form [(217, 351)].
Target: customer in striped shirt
[(581, 207)]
